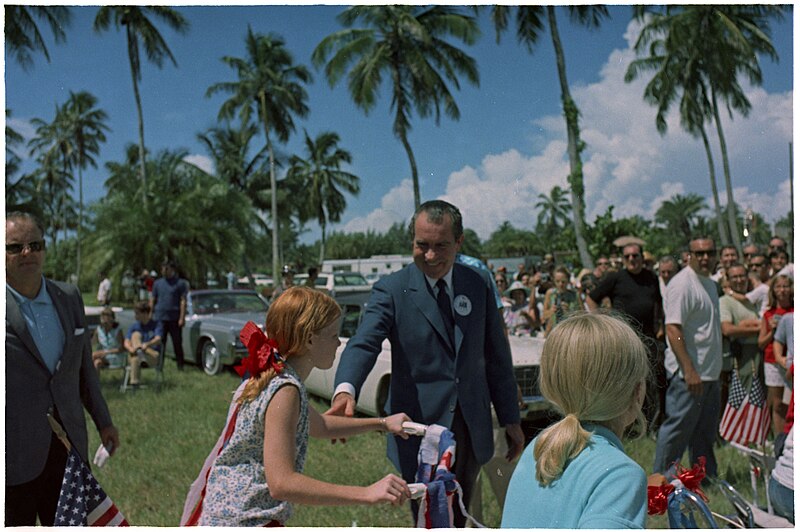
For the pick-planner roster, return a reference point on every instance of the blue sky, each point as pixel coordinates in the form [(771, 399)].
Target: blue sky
[(508, 147)]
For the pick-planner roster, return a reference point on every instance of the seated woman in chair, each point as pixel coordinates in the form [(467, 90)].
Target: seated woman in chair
[(143, 341), (108, 341)]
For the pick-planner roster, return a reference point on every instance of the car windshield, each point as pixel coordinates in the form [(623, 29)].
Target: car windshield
[(350, 279), (234, 301)]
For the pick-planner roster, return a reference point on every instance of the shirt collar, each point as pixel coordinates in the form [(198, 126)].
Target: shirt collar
[(448, 279), (605, 432), (42, 298)]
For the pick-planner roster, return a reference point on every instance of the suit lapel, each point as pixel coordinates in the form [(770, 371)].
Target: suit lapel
[(64, 316), (464, 299), (16, 322), (421, 295)]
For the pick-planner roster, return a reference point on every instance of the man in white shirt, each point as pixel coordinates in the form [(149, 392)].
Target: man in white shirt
[(693, 361), (104, 290)]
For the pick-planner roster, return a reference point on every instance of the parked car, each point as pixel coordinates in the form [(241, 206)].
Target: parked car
[(259, 279), (214, 319), (337, 283), (526, 352)]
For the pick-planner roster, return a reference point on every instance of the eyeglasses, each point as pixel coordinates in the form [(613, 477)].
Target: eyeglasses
[(632, 256), (16, 249), (754, 265), (704, 252), (603, 263)]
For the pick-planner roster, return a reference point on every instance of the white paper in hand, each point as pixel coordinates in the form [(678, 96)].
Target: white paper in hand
[(101, 456)]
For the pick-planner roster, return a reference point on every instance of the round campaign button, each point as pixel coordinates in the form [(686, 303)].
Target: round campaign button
[(462, 305)]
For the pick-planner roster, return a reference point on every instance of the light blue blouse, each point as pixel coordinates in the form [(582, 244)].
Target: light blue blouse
[(601, 488)]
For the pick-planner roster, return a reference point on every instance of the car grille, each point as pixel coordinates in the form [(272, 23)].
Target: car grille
[(528, 380)]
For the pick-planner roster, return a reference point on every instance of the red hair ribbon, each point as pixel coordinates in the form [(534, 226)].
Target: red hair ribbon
[(262, 352), (657, 496)]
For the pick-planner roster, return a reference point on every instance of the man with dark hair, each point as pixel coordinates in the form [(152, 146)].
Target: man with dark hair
[(693, 361), (143, 341), (667, 268), (450, 356), (728, 256), (168, 304), (49, 371), (634, 291), (759, 279)]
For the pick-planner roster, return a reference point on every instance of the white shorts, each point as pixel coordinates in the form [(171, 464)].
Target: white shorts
[(774, 375)]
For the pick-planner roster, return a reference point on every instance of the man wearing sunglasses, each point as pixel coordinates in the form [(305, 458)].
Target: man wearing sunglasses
[(693, 361), (634, 291), (48, 370)]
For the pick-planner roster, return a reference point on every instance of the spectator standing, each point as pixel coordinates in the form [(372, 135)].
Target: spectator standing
[(128, 283), (601, 267), (748, 251), (667, 268), (104, 289), (759, 278), (634, 292), (780, 302), (693, 361), (728, 256), (313, 273), (740, 327), (168, 304), (450, 355), (48, 367), (287, 281), (779, 263), (231, 278), (518, 321), (559, 300)]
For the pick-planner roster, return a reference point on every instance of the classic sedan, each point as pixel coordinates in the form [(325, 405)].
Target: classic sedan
[(526, 353), (214, 319)]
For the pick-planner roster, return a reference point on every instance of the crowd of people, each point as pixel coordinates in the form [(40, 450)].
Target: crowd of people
[(679, 348)]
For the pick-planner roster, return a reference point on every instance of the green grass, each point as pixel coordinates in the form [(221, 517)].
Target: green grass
[(166, 435)]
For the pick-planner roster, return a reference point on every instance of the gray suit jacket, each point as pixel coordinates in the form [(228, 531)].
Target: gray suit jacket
[(429, 374), (31, 389)]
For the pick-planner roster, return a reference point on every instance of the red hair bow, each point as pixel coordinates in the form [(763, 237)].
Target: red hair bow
[(658, 496), (262, 352)]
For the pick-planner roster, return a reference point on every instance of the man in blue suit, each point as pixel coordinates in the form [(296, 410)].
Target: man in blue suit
[(450, 356)]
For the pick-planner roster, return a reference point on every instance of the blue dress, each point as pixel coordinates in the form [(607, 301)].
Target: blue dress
[(237, 493), (600, 488)]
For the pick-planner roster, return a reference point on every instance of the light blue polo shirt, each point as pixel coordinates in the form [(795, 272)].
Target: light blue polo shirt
[(43, 324)]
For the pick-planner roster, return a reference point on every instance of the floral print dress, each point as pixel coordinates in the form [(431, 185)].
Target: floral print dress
[(237, 493)]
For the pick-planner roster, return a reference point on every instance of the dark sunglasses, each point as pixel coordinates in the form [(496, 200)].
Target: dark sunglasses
[(16, 249), (632, 256), (754, 265), (707, 253)]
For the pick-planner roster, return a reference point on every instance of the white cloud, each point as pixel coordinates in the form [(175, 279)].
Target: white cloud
[(26, 129), (396, 206), (201, 161), (627, 163)]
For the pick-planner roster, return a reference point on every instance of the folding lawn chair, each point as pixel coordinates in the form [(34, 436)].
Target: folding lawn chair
[(436, 485)]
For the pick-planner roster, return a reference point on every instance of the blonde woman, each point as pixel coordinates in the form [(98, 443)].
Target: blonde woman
[(258, 473), (575, 474)]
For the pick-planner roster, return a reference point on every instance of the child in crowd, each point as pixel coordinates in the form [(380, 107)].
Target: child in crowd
[(575, 474), (258, 473), (143, 341), (780, 301), (560, 300), (108, 340)]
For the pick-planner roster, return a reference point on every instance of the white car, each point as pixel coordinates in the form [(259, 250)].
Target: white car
[(337, 283), (526, 353)]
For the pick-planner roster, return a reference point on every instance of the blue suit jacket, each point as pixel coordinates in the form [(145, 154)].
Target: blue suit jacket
[(429, 374)]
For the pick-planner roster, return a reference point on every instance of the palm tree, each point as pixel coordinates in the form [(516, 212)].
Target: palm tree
[(407, 45), (676, 72), (530, 25), (140, 29), (320, 175), (23, 36), (270, 86), (681, 214), (84, 124), (553, 209), (724, 42)]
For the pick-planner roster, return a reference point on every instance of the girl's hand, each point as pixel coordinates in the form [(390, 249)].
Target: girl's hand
[(394, 424), (390, 488)]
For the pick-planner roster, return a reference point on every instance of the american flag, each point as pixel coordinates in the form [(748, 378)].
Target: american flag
[(82, 501), (746, 419)]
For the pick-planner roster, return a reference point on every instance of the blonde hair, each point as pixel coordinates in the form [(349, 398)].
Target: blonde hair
[(590, 367), (772, 301), (292, 318)]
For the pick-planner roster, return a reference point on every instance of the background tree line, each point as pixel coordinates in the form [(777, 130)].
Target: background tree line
[(252, 209)]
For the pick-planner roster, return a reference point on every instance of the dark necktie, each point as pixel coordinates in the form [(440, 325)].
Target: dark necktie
[(445, 308)]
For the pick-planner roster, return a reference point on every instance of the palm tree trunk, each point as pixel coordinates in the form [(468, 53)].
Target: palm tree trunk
[(322, 245), (723, 233), (574, 145), (273, 185), (80, 225), (737, 241), (137, 97), (414, 175)]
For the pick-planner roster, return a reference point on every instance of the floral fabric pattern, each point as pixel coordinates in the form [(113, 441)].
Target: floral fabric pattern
[(237, 493)]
